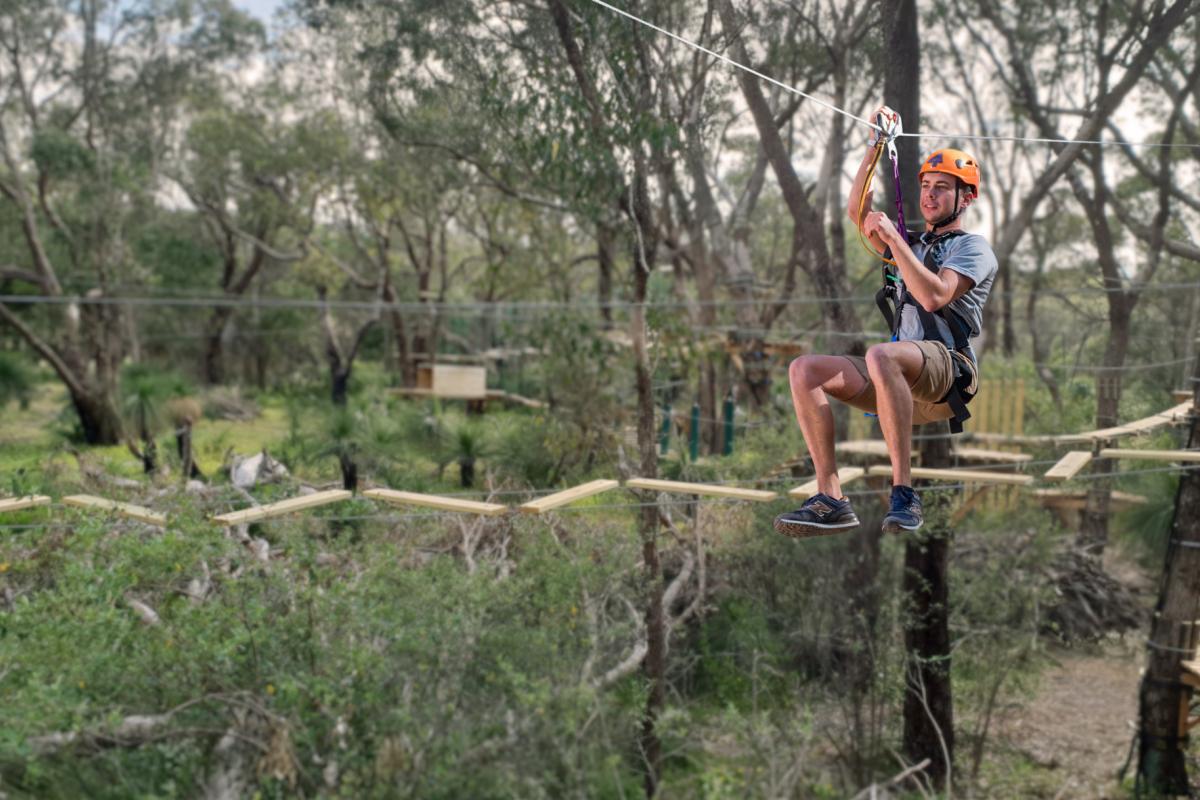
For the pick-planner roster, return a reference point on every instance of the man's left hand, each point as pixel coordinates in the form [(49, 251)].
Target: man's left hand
[(877, 224)]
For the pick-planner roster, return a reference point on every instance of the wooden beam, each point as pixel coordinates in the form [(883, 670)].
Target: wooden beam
[(141, 514), (1191, 456), (959, 475), (708, 489), (19, 503), (808, 489), (433, 501), (1069, 466), (283, 507), (562, 498), (1191, 673)]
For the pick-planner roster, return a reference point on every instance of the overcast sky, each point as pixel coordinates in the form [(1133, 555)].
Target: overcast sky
[(261, 8)]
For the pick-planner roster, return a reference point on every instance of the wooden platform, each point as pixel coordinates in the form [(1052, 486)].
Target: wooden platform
[(21, 503), (958, 475), (559, 499), (434, 501), (706, 489), (283, 507), (845, 475), (91, 503), (490, 394)]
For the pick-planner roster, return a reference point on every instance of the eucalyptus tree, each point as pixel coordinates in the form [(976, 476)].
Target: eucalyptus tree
[(89, 92), (255, 173), (1080, 65)]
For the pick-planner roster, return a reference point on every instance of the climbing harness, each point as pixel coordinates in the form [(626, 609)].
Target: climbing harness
[(893, 296)]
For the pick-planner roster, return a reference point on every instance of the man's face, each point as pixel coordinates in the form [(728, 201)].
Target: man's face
[(937, 195)]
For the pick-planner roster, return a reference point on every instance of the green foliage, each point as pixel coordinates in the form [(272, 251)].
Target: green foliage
[(418, 679), (17, 379), (58, 154)]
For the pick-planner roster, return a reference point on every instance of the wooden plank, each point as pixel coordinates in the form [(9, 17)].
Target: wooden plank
[(1191, 456), (1167, 417), (19, 503), (1076, 500), (139, 513), (845, 475), (283, 507), (1068, 466), (990, 456), (863, 447), (707, 489), (433, 501), (959, 475), (568, 496)]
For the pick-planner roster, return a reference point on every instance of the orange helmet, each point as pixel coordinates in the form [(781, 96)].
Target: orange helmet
[(954, 162)]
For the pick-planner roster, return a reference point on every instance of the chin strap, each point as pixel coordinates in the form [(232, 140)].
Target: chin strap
[(953, 215)]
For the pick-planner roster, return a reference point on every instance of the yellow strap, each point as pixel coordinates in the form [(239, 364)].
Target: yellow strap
[(862, 204)]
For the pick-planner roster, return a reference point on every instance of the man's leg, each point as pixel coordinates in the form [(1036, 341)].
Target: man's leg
[(813, 379), (894, 367)]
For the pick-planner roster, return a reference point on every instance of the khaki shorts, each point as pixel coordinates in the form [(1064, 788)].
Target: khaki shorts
[(934, 382)]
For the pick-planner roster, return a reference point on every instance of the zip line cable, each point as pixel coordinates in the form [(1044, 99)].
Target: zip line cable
[(868, 123)]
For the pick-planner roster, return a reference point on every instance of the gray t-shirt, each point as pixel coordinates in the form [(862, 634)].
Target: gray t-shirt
[(969, 255)]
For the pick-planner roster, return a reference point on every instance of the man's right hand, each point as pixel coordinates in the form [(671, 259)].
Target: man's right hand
[(887, 119)]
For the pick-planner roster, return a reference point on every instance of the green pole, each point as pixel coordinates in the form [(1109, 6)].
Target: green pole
[(694, 445), (664, 435), (729, 424)]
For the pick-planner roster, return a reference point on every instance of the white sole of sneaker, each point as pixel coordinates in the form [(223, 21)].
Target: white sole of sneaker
[(804, 530), (896, 527)]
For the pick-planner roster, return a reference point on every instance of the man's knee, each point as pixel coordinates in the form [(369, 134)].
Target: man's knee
[(880, 359), (802, 373)]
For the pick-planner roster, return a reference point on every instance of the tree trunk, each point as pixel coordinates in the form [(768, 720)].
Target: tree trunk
[(1163, 701), (604, 279), (99, 419), (928, 700), (214, 349), (1093, 524), (807, 222)]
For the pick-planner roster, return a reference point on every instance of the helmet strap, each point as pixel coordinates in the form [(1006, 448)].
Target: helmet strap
[(953, 215)]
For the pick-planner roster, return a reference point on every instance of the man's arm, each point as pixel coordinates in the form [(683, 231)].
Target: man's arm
[(933, 290), (860, 180)]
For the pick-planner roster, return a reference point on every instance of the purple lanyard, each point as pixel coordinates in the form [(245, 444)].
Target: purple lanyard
[(900, 226)]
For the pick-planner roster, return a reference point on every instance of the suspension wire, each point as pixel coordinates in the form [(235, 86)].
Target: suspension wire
[(396, 517), (869, 124), (529, 308)]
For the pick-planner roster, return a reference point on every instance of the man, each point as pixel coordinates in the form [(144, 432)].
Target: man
[(945, 276)]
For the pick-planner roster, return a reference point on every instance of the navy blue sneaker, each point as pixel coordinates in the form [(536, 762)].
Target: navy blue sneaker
[(820, 515), (905, 513)]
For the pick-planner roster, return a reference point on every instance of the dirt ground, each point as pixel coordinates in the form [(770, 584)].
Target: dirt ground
[(1077, 729)]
